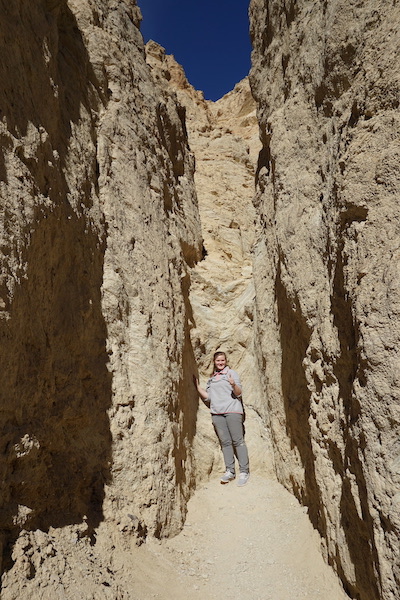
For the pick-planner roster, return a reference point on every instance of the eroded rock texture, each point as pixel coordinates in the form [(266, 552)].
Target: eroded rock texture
[(224, 138), (99, 225), (326, 79)]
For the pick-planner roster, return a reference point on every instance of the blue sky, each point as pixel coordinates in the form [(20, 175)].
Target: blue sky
[(209, 38)]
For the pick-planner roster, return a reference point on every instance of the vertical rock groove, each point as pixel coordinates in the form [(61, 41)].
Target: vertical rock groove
[(294, 341)]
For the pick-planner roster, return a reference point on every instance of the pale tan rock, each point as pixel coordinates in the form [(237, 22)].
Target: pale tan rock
[(224, 138), (326, 80), (107, 309), (99, 227)]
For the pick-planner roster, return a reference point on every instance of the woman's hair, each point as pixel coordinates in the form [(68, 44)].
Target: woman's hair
[(214, 357)]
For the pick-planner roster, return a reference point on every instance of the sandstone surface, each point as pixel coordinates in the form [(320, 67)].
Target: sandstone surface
[(131, 250), (99, 227), (326, 79)]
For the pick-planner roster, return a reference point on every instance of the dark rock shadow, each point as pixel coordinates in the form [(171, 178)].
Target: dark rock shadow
[(45, 72), (55, 386), (295, 339), (55, 389), (358, 529), (186, 411)]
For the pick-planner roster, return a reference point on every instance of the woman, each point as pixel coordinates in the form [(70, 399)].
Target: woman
[(223, 392)]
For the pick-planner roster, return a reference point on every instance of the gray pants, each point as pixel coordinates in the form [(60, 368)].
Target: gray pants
[(229, 429)]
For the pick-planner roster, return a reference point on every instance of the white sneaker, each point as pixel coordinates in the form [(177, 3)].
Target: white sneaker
[(227, 477), (243, 479)]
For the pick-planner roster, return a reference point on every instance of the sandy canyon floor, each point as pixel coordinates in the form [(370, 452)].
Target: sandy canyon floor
[(253, 543), (249, 543)]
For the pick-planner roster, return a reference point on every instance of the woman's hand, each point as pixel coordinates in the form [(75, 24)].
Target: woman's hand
[(235, 388)]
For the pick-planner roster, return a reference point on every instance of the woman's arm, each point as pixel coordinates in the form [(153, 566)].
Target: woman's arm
[(201, 391), (237, 390)]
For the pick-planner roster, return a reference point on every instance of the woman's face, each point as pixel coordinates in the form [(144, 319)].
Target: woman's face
[(220, 362)]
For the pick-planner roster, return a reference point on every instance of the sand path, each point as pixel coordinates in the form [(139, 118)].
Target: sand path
[(250, 543)]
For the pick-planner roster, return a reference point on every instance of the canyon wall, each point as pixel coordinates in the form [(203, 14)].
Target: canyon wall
[(326, 79), (111, 300), (99, 228)]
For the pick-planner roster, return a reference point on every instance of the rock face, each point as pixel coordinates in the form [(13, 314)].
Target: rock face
[(326, 79), (105, 315), (99, 226), (224, 138), (112, 297)]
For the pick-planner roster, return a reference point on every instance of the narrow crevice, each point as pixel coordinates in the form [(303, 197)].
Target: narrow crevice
[(358, 529), (295, 338)]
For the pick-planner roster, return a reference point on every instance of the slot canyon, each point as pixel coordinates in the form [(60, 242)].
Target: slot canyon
[(142, 229)]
